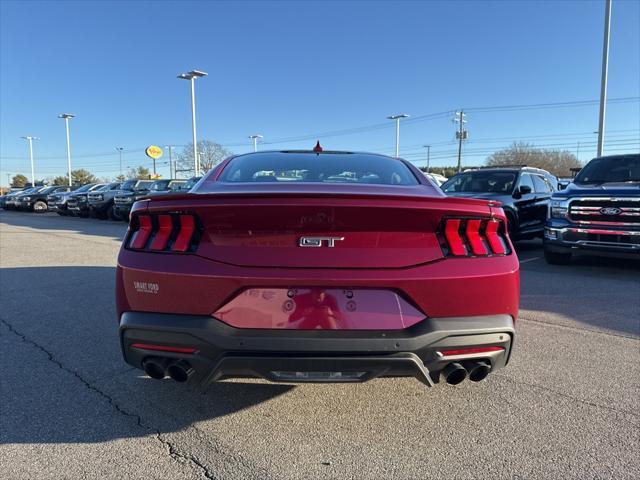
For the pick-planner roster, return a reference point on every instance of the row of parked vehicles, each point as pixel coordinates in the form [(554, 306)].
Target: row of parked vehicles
[(598, 212), (97, 200)]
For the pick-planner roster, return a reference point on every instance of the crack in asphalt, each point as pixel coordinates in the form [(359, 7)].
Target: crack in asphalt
[(565, 395), (174, 452)]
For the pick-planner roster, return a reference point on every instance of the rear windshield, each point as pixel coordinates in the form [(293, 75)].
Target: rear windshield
[(322, 168), (481, 182), (159, 185), (611, 169)]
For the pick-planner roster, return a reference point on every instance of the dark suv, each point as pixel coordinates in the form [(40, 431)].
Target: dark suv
[(525, 194), (598, 213), (104, 204), (100, 202), (57, 202), (37, 201), (124, 200)]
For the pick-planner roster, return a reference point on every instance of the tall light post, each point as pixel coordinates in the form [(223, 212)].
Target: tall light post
[(172, 172), (33, 174), (605, 74), (119, 149), (397, 119), (192, 75), (428, 147), (255, 138), (66, 117)]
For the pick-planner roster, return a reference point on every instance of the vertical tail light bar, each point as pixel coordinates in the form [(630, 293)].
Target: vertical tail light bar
[(163, 232), (466, 237), (454, 240), (161, 238)]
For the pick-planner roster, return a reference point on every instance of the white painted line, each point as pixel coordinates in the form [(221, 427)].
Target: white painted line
[(530, 259)]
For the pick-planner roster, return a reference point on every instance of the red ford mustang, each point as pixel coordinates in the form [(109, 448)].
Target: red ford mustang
[(305, 266)]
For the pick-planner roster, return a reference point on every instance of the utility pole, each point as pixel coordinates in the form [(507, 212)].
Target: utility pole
[(255, 138), (461, 135), (172, 171), (66, 117), (397, 119), (33, 175), (428, 147), (119, 149), (605, 74)]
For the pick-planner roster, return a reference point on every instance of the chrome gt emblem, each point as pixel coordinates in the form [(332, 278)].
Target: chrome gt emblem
[(317, 242), (610, 211)]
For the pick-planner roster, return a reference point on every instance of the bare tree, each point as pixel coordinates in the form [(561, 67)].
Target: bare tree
[(557, 162), (211, 153), (139, 173)]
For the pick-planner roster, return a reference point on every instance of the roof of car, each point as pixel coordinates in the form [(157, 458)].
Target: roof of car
[(510, 168)]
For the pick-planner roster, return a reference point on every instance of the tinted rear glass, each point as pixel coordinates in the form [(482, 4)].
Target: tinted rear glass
[(481, 182), (323, 168), (611, 169)]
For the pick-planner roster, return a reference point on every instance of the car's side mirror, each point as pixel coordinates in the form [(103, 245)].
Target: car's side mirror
[(524, 189)]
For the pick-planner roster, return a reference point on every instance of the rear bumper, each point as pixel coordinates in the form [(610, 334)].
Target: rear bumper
[(223, 351)]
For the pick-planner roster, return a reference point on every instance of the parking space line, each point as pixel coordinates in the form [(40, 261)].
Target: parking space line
[(530, 259)]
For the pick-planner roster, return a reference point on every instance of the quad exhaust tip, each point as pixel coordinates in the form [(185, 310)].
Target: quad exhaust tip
[(180, 371), (155, 367), (478, 370), (454, 373)]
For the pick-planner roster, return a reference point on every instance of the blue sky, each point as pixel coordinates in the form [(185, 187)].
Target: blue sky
[(294, 69)]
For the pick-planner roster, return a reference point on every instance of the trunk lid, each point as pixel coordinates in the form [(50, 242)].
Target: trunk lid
[(385, 227)]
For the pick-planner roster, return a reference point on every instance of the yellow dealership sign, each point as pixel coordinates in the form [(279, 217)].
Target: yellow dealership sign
[(154, 152)]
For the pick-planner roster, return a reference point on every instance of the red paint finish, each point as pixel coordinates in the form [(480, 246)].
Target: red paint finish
[(161, 238), (319, 308), (249, 242)]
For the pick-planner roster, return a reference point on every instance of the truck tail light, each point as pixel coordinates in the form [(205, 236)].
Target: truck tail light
[(473, 237), (165, 232)]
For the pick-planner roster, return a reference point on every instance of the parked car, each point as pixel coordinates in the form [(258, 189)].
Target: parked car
[(38, 201), (437, 178), (295, 277), (100, 202), (123, 200), (77, 203), (57, 202), (7, 200), (524, 193), (13, 202), (598, 213)]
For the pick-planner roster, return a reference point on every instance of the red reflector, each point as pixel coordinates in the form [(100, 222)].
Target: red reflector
[(141, 236), (495, 242), (452, 234), (163, 348), (469, 351), (165, 226), (187, 227), (475, 240)]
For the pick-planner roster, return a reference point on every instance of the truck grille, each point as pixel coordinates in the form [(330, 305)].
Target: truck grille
[(123, 200), (606, 211)]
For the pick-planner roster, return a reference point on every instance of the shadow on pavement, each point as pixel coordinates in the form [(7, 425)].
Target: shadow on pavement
[(53, 221), (58, 326)]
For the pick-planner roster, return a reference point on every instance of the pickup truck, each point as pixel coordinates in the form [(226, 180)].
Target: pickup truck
[(102, 203), (38, 202), (598, 213), (57, 201), (77, 203), (125, 199)]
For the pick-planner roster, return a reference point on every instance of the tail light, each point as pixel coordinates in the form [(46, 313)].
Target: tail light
[(473, 237), (165, 232)]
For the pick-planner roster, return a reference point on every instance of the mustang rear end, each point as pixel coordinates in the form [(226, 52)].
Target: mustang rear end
[(311, 266)]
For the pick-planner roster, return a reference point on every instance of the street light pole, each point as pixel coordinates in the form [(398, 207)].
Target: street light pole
[(33, 174), (428, 147), (255, 138), (192, 75), (397, 119), (172, 172), (119, 149), (605, 74), (66, 117)]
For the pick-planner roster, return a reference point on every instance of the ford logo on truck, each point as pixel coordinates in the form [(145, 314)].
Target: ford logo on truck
[(610, 211)]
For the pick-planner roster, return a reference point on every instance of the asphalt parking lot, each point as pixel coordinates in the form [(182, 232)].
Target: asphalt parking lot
[(567, 406)]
